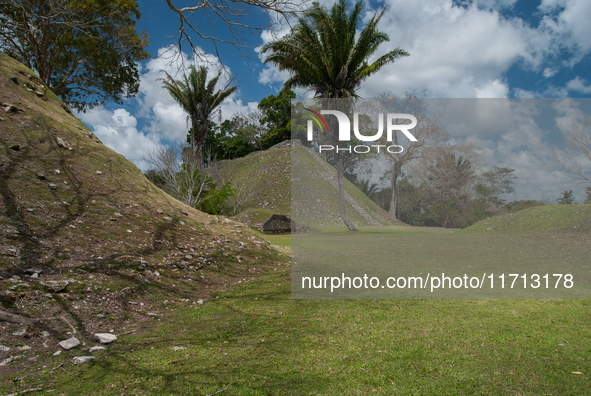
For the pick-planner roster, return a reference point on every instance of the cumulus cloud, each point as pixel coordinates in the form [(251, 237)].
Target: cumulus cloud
[(117, 129), (162, 119), (579, 85), (464, 50)]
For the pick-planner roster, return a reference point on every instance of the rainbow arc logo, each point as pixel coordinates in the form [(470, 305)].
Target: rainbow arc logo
[(317, 119)]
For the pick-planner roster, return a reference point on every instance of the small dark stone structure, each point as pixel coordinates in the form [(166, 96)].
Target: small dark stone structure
[(281, 224)]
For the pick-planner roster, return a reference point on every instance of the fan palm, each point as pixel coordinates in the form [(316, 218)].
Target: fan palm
[(199, 99), (323, 53)]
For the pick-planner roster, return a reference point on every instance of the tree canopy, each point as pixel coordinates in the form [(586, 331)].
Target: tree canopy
[(199, 99), (85, 51)]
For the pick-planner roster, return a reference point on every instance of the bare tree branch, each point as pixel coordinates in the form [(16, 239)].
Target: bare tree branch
[(234, 17), (575, 160)]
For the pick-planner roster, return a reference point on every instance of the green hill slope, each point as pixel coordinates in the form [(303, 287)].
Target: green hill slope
[(541, 219), (83, 231), (266, 179)]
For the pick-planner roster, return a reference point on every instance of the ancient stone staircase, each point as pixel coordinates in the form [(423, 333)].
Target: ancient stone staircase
[(331, 176)]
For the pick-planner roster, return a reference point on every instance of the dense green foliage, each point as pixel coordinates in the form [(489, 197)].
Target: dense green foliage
[(567, 198), (277, 117), (232, 139), (87, 52)]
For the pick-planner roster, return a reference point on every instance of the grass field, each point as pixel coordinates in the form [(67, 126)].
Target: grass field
[(385, 252), (253, 339)]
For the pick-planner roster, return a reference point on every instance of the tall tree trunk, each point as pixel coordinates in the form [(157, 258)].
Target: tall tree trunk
[(394, 200), (339, 158)]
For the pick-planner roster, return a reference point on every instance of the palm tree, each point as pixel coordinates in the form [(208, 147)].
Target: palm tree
[(199, 99), (322, 53)]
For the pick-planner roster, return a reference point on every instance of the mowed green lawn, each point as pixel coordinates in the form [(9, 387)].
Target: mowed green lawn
[(253, 339), (434, 253)]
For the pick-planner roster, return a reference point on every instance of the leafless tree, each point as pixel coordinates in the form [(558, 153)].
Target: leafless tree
[(256, 129), (427, 133), (235, 19), (575, 160), (244, 189), (182, 177), (449, 170)]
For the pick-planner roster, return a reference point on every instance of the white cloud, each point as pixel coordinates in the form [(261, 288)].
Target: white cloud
[(463, 51), (579, 85), (163, 118), (117, 129)]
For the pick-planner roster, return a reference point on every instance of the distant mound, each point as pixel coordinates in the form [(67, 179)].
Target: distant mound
[(73, 212), (265, 180), (537, 220)]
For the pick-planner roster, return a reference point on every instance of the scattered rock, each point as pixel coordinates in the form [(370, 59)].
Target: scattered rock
[(20, 332), (69, 343), (10, 108), (6, 361), (57, 171), (160, 212), (4, 348), (560, 345), (41, 176), (188, 256), (15, 147), (35, 275), (156, 273), (105, 338), (62, 143), (24, 348), (97, 348), (52, 186), (82, 359), (14, 80), (57, 353), (55, 286), (167, 218), (31, 271), (98, 172), (40, 94)]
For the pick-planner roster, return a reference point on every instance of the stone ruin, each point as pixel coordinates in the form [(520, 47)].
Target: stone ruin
[(280, 224)]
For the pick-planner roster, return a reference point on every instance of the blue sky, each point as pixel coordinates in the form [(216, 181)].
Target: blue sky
[(458, 49)]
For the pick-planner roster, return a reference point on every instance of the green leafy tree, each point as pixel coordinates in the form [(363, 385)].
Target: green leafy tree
[(232, 139), (86, 51), (494, 183), (199, 99), (568, 198), (277, 116), (326, 52)]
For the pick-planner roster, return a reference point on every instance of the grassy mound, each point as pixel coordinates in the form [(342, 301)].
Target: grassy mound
[(265, 178), (86, 241), (537, 220)]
